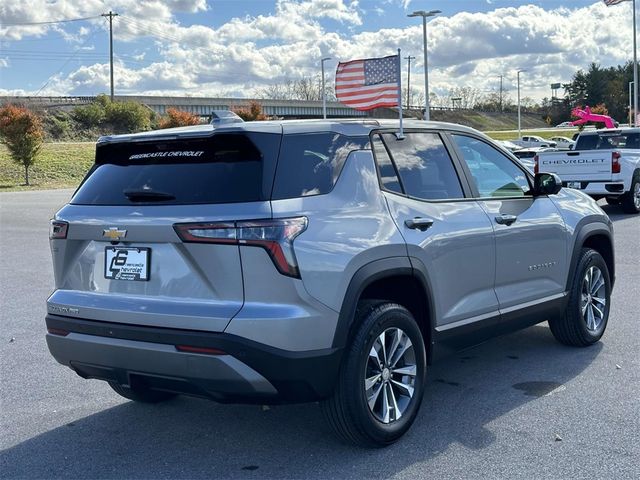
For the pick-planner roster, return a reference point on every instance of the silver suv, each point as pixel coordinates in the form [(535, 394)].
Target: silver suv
[(315, 260)]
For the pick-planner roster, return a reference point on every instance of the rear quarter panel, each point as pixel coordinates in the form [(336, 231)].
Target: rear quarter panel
[(348, 228)]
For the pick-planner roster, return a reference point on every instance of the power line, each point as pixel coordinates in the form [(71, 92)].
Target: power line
[(66, 62), (17, 24)]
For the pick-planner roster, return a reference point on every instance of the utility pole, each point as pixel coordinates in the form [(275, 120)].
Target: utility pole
[(409, 58), (110, 15), (501, 77)]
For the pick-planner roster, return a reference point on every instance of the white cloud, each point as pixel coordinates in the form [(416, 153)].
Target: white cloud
[(467, 49)]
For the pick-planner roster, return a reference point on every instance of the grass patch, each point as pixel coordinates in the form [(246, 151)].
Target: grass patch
[(59, 165), (64, 165), (513, 134)]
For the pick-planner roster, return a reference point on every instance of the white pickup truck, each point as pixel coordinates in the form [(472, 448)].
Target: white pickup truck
[(603, 164), (532, 141)]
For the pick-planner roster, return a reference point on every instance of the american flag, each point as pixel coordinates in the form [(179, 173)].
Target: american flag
[(608, 3), (369, 83)]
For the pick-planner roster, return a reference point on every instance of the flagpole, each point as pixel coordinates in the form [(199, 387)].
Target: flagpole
[(401, 134), (635, 69)]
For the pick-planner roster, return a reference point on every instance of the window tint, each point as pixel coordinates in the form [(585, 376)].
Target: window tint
[(222, 168), (424, 166), (494, 174), (310, 164), (388, 176), (609, 141)]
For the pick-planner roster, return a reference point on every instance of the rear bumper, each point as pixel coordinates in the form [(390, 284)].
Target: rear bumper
[(248, 372), (608, 189)]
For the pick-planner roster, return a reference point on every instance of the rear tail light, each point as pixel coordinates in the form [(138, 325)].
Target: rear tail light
[(58, 229), (275, 236), (202, 350), (615, 162), (536, 165)]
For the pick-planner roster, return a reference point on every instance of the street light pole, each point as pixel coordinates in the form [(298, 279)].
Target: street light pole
[(424, 15), (519, 113), (635, 69), (631, 104), (324, 91), (409, 58)]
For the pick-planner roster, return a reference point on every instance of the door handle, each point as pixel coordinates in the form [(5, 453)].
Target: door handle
[(418, 223), (506, 219)]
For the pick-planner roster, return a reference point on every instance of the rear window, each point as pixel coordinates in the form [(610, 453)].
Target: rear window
[(609, 141), (310, 163), (222, 168)]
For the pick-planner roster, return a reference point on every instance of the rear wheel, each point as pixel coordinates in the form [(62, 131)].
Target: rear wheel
[(631, 200), (381, 382), (585, 318), (141, 394)]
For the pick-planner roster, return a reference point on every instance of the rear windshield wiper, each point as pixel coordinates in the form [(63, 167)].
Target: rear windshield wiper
[(148, 195)]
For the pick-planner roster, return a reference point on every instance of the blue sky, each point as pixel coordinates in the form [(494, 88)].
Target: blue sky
[(240, 47)]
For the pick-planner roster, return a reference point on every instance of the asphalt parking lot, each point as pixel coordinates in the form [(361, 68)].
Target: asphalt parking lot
[(520, 406)]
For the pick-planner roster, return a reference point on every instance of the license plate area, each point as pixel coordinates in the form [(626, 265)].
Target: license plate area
[(576, 185), (127, 263)]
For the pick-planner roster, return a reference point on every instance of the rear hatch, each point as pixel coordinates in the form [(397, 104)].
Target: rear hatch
[(122, 259)]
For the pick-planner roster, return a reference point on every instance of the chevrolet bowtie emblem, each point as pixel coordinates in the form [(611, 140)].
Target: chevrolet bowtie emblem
[(114, 234)]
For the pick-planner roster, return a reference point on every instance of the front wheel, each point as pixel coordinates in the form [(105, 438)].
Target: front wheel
[(381, 382), (631, 200), (585, 318)]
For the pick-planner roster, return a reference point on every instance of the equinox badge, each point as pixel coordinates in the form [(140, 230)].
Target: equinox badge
[(114, 234)]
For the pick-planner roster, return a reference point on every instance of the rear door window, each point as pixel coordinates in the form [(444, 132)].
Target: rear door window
[(386, 170), (310, 163), (222, 168), (424, 165)]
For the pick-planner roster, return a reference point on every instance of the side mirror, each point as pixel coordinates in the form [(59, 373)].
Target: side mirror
[(546, 184)]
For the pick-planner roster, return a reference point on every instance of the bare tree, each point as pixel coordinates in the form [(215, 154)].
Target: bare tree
[(305, 88)]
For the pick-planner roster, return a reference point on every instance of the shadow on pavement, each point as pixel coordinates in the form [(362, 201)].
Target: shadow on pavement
[(192, 438), (616, 213)]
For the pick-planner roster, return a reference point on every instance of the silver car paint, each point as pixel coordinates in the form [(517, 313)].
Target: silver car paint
[(530, 262), (194, 286), (239, 291), (155, 358), (348, 228), (458, 253)]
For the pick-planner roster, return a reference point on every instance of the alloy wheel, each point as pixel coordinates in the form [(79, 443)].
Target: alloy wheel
[(593, 299), (390, 375)]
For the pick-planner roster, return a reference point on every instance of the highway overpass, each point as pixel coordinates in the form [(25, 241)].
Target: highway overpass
[(202, 106)]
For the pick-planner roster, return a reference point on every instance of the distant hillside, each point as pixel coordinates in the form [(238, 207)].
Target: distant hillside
[(485, 121), (488, 120)]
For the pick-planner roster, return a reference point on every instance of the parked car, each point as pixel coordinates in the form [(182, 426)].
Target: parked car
[(565, 125), (510, 145), (528, 141), (603, 163), (564, 142), (526, 155), (270, 262)]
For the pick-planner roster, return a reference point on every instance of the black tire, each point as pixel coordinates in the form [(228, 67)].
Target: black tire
[(571, 328), (629, 200), (141, 394), (347, 411), (613, 200)]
